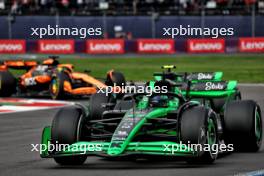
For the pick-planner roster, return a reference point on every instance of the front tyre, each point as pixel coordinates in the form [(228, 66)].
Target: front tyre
[(67, 129), (97, 104), (199, 126)]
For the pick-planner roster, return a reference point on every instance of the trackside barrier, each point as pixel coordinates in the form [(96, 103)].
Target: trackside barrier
[(105, 46), (140, 46), (155, 46), (251, 44), (205, 45), (56, 46), (12, 46)]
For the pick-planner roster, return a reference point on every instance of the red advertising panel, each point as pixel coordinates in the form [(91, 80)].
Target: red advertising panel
[(12, 46), (56, 46), (105, 46), (155, 46), (206, 46), (251, 44)]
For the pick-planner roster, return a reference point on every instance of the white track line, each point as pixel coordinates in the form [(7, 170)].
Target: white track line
[(253, 173)]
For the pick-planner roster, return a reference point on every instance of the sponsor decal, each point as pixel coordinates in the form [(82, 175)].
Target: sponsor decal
[(9, 105), (12, 46), (204, 76), (201, 76), (105, 46), (30, 81), (251, 44), (206, 46), (127, 124), (56, 46), (155, 46), (209, 86), (214, 86)]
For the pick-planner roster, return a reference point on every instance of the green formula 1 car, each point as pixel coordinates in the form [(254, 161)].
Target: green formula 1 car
[(164, 124)]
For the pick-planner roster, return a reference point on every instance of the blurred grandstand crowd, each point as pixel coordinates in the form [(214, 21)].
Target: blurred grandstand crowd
[(131, 7)]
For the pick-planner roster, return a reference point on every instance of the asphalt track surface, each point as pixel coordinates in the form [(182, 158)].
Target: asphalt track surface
[(18, 131)]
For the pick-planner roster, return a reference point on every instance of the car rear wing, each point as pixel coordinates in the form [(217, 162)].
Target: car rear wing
[(194, 76), (211, 89), (18, 64), (205, 76)]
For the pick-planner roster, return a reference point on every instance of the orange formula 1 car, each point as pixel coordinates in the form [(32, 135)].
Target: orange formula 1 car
[(50, 77)]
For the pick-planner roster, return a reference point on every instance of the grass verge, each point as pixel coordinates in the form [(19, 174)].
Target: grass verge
[(244, 68)]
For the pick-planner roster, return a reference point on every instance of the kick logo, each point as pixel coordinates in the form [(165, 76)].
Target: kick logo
[(203, 76), (213, 86)]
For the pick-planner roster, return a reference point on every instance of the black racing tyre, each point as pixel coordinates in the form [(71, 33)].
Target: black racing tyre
[(96, 103), (218, 103), (199, 126), (7, 84), (57, 85), (66, 129), (117, 79), (243, 125)]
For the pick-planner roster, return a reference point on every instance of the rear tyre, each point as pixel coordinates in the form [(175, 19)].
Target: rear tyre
[(57, 85), (199, 126), (7, 84), (218, 103), (96, 105), (117, 79), (66, 129), (243, 125)]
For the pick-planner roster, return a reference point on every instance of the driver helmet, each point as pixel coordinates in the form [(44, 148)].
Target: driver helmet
[(159, 101)]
